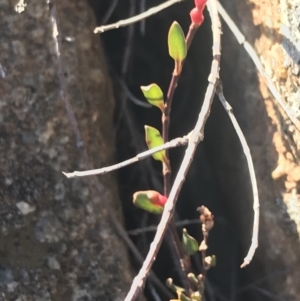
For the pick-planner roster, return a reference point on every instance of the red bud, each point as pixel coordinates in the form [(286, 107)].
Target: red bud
[(196, 16), (200, 4), (156, 198), (162, 200)]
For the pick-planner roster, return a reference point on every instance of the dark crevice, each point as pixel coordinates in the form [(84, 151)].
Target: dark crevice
[(149, 62)]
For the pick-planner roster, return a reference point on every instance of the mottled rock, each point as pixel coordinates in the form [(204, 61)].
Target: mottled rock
[(57, 241)]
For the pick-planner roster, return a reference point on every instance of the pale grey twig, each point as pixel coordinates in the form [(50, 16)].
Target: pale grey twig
[(154, 228), (141, 156), (154, 293), (129, 39), (268, 294), (63, 85), (143, 22), (254, 240), (110, 10), (250, 50), (196, 137), (150, 12), (132, 97)]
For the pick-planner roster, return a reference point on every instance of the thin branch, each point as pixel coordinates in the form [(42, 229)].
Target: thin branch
[(129, 39), (250, 50), (141, 156), (186, 222), (110, 10), (148, 13), (143, 22), (168, 104), (196, 137), (254, 240), (63, 85), (131, 96), (207, 220), (184, 260)]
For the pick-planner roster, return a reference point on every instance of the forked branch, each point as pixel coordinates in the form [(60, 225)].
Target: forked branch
[(139, 281), (250, 50), (254, 241), (148, 13), (141, 156)]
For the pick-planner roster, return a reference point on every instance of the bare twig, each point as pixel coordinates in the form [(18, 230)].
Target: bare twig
[(196, 137), (254, 241), (250, 50), (129, 39), (132, 97), (154, 228), (141, 156), (207, 220), (110, 10), (148, 13), (63, 86), (143, 22)]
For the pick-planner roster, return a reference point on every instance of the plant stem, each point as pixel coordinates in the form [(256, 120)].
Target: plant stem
[(168, 104), (183, 258)]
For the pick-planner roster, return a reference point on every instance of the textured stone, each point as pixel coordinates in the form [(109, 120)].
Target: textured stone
[(56, 239)]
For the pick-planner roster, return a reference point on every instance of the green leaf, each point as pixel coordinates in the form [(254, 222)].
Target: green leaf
[(176, 42), (176, 289), (154, 139), (211, 261), (196, 296), (147, 200), (183, 297), (193, 278), (189, 243), (154, 95)]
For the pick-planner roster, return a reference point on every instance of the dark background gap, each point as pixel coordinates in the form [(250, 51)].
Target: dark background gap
[(149, 62)]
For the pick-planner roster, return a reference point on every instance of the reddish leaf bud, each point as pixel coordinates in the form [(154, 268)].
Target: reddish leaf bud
[(196, 16), (150, 200), (162, 200), (200, 4), (156, 198)]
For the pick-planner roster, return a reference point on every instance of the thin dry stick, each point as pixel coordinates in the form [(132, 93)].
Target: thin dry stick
[(141, 156), (154, 228), (62, 81), (254, 241), (129, 39), (110, 10), (148, 13), (207, 220), (250, 50), (196, 137)]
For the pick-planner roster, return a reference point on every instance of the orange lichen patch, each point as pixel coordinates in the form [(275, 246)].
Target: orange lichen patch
[(271, 16), (287, 168), (268, 17), (266, 13)]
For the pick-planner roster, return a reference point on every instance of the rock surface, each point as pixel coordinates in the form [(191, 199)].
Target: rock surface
[(56, 240)]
